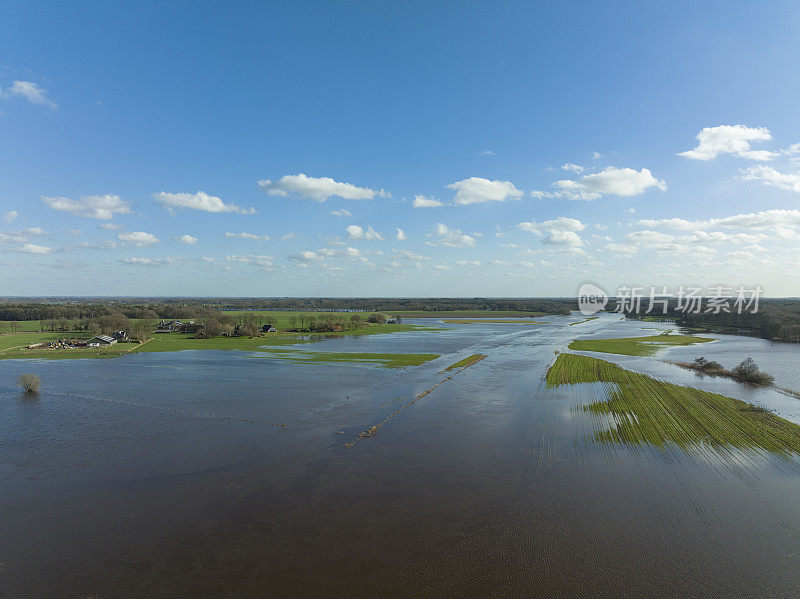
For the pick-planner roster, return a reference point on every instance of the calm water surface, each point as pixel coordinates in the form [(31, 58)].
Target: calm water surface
[(227, 474)]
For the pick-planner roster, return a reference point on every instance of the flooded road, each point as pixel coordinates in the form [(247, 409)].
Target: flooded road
[(228, 473)]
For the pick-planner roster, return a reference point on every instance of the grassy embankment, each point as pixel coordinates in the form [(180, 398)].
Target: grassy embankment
[(468, 361), (388, 360), (635, 346), (584, 320), (489, 321), (650, 412)]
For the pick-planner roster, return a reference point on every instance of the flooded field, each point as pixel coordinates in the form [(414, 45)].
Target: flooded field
[(226, 473)]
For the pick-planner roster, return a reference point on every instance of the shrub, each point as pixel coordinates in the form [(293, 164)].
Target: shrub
[(707, 365), (29, 382), (748, 372)]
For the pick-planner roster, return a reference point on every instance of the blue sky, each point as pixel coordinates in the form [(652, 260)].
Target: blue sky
[(521, 148)]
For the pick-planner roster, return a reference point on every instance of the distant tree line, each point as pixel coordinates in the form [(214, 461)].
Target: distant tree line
[(776, 319)]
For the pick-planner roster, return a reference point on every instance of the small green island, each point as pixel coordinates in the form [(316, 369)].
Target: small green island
[(636, 346)]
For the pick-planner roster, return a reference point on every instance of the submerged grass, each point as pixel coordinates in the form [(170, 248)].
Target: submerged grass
[(490, 321), (584, 320), (635, 346), (468, 361), (639, 410), (386, 360)]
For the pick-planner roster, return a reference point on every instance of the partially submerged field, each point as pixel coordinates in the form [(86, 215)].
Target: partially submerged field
[(386, 360), (634, 409), (635, 346)]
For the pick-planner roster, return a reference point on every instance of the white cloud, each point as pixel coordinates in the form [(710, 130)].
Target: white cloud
[(772, 177), (306, 256), (101, 207), (421, 201), (575, 168), (401, 235), (137, 261), (10, 216), (563, 238), (617, 248), (476, 190), (74, 232), (445, 236), (187, 239), (38, 231), (342, 212), (32, 92), (358, 232), (112, 227), (138, 238), (252, 259), (319, 189), (730, 139), (248, 236), (288, 236), (410, 255), (611, 180), (197, 201), (561, 231), (649, 237), (468, 262), (32, 248), (766, 219), (561, 223), (486, 153)]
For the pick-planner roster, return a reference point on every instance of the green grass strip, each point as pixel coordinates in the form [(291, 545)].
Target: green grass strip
[(635, 346), (468, 361), (317, 357), (647, 411)]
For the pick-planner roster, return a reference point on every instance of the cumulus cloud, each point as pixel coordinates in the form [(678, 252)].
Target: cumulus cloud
[(187, 239), (620, 249), (248, 236), (649, 237), (30, 91), (445, 236), (251, 259), (476, 190), (10, 216), (410, 255), (401, 235), (308, 256), (624, 182), (575, 168), (341, 212), (112, 227), (772, 177), (730, 139), (561, 231), (100, 207), (138, 238), (767, 219), (197, 201), (37, 231), (32, 248), (319, 189), (141, 261), (357, 232), (421, 201)]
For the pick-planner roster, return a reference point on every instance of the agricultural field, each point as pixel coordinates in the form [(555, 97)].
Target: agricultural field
[(490, 321), (634, 409), (636, 346)]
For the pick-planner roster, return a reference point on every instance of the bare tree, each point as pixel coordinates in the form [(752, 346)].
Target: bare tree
[(29, 382)]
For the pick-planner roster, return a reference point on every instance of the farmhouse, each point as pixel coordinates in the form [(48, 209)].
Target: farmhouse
[(101, 341), (268, 328)]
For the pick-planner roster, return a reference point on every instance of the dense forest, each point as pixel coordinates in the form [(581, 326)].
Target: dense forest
[(171, 308), (776, 319)]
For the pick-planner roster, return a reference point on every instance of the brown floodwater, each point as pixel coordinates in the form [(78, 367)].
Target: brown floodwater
[(168, 475)]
